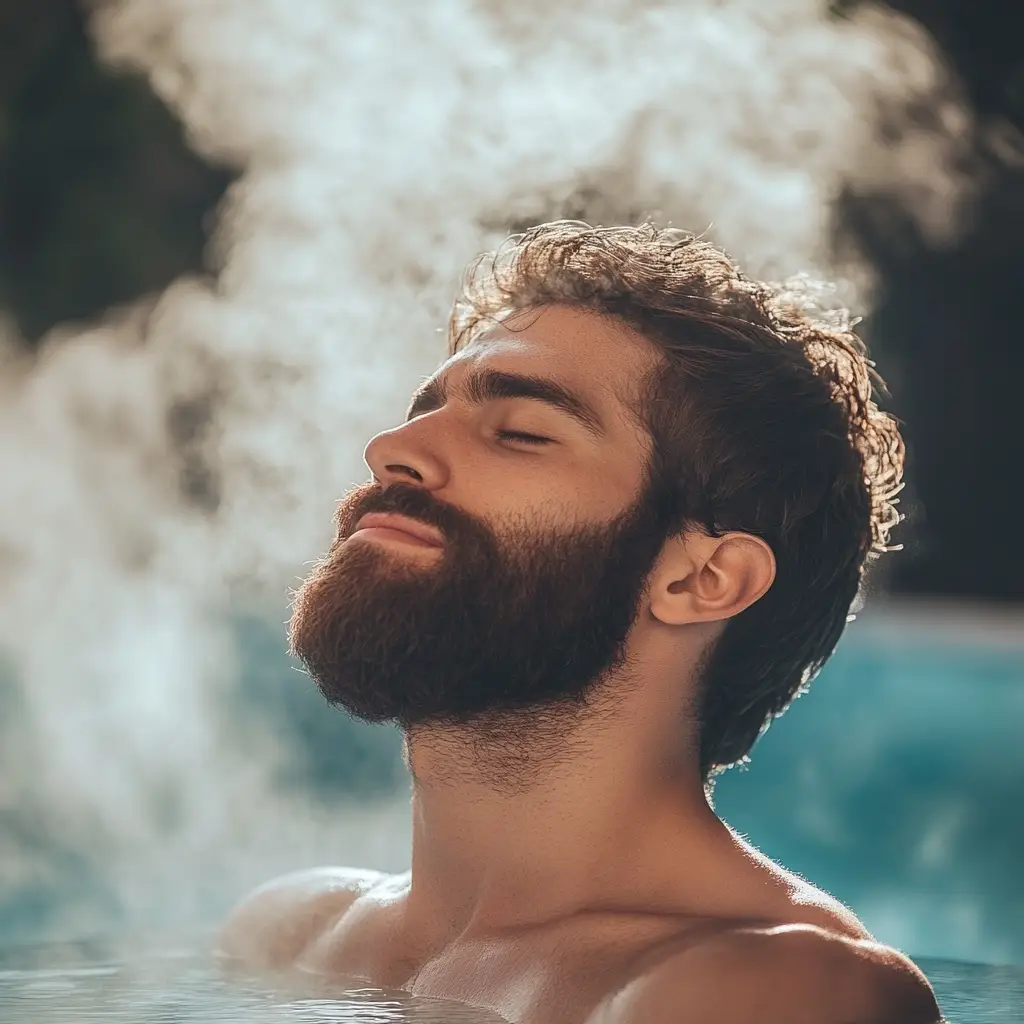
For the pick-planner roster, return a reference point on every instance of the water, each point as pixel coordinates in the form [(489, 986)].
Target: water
[(976, 993), (85, 984), (896, 783)]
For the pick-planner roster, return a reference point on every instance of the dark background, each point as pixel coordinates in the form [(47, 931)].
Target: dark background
[(101, 202)]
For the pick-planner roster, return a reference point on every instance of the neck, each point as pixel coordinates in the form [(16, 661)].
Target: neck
[(605, 817)]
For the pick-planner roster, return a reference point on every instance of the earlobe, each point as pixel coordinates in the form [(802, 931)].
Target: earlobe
[(707, 579)]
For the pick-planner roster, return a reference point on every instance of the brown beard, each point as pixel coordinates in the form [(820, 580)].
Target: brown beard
[(494, 626)]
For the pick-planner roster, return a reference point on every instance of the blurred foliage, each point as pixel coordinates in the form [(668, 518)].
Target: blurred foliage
[(100, 199)]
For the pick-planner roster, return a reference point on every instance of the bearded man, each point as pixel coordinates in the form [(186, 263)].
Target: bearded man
[(620, 529)]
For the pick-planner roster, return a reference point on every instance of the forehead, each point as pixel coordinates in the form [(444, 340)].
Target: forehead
[(599, 357)]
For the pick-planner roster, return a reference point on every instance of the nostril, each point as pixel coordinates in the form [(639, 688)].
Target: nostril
[(405, 469)]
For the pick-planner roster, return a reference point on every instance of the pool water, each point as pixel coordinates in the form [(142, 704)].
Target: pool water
[(76, 983), (976, 993), (84, 984)]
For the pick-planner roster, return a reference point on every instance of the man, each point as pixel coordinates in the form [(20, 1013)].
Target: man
[(621, 527)]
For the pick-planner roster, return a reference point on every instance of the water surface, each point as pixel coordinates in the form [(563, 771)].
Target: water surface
[(88, 983), (83, 983)]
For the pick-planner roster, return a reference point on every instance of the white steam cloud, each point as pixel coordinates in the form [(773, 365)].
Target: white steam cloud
[(183, 456)]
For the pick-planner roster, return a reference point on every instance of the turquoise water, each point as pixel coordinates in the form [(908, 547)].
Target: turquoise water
[(897, 782), (976, 993), (84, 984)]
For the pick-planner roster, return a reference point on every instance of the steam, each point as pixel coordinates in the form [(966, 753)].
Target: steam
[(182, 457)]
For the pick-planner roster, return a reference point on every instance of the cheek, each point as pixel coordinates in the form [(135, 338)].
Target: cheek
[(501, 488)]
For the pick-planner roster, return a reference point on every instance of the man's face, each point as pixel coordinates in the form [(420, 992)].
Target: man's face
[(528, 603)]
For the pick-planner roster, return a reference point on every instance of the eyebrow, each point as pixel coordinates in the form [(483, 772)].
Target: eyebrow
[(482, 386)]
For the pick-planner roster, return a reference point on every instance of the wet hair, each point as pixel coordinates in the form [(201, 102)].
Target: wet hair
[(761, 419)]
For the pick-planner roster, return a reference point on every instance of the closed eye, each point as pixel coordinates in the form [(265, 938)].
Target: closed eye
[(518, 437)]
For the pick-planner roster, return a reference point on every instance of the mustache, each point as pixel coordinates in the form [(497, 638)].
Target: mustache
[(406, 500)]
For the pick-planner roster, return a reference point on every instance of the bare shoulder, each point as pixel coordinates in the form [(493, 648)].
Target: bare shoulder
[(800, 901), (272, 926), (783, 974), (808, 904)]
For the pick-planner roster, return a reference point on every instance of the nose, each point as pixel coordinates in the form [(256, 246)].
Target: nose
[(403, 455)]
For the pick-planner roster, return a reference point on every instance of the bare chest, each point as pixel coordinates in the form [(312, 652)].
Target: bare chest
[(556, 976)]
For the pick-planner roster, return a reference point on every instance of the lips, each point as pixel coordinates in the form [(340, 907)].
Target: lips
[(403, 524)]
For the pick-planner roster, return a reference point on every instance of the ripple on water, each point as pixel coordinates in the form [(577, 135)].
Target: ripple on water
[(81, 983), (176, 988)]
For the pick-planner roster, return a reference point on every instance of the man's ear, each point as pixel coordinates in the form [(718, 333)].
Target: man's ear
[(698, 578)]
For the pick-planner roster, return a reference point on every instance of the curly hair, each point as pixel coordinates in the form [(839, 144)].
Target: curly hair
[(761, 420)]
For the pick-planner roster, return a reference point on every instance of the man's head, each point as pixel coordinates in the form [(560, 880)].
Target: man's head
[(627, 432)]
